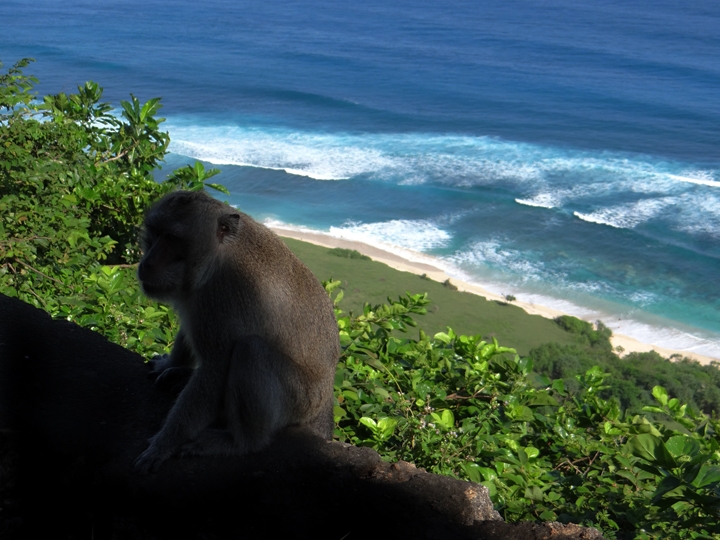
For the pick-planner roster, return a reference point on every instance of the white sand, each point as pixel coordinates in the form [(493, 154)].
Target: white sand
[(400, 263)]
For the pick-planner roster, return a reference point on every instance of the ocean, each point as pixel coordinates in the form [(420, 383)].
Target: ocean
[(565, 153)]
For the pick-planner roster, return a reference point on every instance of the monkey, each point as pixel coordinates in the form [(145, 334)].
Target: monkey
[(258, 341)]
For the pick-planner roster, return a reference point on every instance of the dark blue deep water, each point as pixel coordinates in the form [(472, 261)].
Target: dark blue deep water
[(566, 153)]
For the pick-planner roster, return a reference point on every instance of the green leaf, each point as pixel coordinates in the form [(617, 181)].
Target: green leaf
[(520, 413), (534, 493), (472, 470), (660, 394), (541, 399), (666, 484), (707, 475), (386, 427), (682, 445), (217, 187), (445, 419), (369, 423), (652, 449)]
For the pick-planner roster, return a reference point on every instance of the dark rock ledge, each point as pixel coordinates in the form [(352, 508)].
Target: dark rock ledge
[(76, 410)]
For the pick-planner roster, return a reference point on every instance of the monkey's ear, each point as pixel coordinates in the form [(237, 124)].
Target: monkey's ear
[(228, 224)]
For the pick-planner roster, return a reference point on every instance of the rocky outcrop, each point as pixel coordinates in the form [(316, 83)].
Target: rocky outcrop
[(76, 410)]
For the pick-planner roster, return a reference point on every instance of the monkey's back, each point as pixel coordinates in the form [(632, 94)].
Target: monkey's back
[(267, 291), (292, 294)]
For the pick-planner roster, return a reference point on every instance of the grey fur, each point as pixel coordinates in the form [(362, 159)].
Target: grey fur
[(258, 336)]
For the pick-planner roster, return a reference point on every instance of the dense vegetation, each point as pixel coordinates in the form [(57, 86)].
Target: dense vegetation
[(633, 376), (74, 180), (348, 254), (462, 406)]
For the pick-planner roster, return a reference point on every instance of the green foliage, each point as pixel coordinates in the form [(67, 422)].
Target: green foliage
[(598, 336), (462, 406), (348, 254), (633, 375), (74, 182), (194, 178)]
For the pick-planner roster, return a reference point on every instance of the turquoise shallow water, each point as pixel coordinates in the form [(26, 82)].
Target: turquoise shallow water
[(566, 154)]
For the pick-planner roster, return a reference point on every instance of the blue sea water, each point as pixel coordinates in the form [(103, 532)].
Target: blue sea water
[(566, 153)]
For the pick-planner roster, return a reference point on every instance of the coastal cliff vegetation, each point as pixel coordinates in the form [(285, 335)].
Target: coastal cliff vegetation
[(566, 430)]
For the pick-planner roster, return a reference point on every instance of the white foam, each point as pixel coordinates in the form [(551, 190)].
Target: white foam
[(543, 177), (541, 200), (492, 254), (537, 176), (619, 319), (415, 158), (664, 336), (414, 235), (628, 216), (699, 213), (702, 178), (314, 156), (274, 223)]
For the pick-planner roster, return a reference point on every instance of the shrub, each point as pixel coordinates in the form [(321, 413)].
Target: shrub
[(348, 254), (74, 181), (450, 285), (460, 406)]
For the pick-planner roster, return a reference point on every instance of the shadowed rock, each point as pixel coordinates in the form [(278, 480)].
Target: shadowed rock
[(76, 410)]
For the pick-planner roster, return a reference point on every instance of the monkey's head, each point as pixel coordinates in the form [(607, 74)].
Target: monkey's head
[(184, 239)]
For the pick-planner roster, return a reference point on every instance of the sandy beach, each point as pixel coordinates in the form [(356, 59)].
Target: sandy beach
[(398, 262)]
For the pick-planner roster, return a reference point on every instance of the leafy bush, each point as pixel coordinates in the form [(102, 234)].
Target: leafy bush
[(598, 336), (348, 254), (634, 375), (460, 406), (74, 181), (450, 285)]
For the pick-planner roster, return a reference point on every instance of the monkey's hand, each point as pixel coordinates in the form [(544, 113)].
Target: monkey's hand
[(169, 377), (211, 442), (158, 364), (174, 379), (151, 459)]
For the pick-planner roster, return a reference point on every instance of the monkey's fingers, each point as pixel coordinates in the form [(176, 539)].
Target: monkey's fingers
[(174, 379), (211, 442), (158, 364), (149, 461)]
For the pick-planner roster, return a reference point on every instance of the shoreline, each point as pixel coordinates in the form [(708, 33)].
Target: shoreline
[(401, 263)]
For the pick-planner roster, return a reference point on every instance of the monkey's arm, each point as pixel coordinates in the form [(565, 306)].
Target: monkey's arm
[(195, 409), (172, 371)]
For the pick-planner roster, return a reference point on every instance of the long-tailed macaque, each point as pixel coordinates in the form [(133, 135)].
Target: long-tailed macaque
[(257, 331)]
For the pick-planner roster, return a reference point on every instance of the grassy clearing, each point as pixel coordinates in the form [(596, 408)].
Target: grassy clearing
[(371, 281)]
